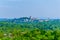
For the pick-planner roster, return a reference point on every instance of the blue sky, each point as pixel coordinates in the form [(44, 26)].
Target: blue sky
[(34, 8)]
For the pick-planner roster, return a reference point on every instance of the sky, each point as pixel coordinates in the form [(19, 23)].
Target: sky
[(34, 8)]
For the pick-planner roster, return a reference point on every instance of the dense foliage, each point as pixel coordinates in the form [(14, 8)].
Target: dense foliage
[(46, 30)]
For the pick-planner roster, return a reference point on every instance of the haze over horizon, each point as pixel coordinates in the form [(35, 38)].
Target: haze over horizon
[(34, 8)]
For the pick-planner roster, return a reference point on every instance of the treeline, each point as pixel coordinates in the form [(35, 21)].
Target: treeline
[(46, 30), (35, 34)]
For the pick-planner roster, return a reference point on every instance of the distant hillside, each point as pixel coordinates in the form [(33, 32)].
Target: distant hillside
[(28, 22)]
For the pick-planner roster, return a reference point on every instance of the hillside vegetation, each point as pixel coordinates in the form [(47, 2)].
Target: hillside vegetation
[(31, 30)]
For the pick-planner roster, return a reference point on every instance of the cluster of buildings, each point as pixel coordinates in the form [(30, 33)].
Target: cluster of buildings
[(29, 19)]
